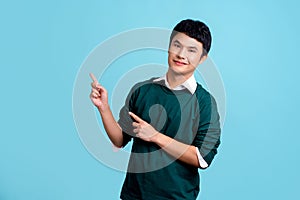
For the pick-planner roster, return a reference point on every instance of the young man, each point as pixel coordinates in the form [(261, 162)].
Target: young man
[(173, 121)]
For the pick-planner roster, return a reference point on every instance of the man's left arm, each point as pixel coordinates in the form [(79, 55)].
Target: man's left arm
[(183, 152)]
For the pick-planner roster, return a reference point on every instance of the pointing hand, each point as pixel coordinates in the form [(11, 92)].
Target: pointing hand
[(98, 94), (142, 129)]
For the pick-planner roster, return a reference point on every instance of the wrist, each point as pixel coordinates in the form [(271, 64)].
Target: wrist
[(156, 137), (104, 108)]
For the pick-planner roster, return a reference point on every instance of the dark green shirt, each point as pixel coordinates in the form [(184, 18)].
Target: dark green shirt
[(189, 118)]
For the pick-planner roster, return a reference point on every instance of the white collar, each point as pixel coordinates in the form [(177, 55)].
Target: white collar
[(190, 84)]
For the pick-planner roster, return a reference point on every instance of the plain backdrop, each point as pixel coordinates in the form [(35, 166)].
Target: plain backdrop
[(44, 43)]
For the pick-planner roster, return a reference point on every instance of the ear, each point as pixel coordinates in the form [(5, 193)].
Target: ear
[(202, 59)]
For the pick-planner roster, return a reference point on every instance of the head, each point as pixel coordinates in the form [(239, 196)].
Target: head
[(190, 43), (194, 29)]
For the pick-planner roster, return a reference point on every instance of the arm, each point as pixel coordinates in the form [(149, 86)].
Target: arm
[(204, 147), (207, 139), (183, 152), (99, 98)]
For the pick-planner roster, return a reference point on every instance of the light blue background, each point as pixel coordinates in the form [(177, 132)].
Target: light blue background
[(43, 44)]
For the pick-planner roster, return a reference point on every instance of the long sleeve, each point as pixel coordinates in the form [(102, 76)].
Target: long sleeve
[(208, 133), (125, 120)]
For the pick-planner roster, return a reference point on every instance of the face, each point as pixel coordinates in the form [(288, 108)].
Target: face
[(185, 54)]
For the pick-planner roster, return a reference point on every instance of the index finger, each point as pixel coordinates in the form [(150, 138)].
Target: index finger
[(134, 116), (93, 77)]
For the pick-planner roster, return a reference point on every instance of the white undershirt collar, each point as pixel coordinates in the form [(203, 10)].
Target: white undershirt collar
[(190, 84)]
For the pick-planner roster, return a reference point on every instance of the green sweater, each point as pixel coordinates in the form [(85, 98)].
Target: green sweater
[(189, 118)]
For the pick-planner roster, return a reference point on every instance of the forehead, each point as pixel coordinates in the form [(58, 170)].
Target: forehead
[(186, 40)]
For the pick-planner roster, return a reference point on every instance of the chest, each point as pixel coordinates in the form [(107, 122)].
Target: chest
[(175, 115)]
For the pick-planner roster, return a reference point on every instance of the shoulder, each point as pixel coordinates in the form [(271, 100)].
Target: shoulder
[(204, 96), (144, 84)]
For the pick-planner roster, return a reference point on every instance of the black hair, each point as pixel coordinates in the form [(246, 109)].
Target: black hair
[(194, 29)]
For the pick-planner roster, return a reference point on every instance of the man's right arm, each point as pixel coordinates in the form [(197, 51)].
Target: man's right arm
[(111, 127), (99, 98)]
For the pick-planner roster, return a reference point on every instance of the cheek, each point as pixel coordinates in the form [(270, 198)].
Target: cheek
[(169, 58), (171, 52), (194, 60), (175, 51), (171, 55)]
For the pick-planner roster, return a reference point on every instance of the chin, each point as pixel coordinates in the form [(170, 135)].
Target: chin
[(176, 71)]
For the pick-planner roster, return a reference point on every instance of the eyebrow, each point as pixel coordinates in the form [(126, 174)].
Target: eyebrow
[(190, 47)]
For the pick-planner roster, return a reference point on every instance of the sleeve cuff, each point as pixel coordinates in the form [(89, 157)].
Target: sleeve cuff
[(201, 160)]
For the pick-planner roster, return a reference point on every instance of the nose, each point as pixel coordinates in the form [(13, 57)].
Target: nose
[(181, 53)]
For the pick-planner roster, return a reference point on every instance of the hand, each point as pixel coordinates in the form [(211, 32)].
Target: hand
[(142, 129), (98, 94)]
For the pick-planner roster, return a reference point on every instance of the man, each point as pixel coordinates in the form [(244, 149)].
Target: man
[(173, 121)]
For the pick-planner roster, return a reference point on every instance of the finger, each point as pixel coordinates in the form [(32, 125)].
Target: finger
[(95, 95), (95, 91), (135, 117), (135, 124), (96, 85), (135, 130), (93, 78), (101, 88)]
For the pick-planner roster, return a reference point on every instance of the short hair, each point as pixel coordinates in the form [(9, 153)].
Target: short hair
[(194, 29)]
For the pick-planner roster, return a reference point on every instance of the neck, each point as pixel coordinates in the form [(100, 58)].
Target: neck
[(175, 80)]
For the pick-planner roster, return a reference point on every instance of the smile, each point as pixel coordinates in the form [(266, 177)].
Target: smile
[(179, 63)]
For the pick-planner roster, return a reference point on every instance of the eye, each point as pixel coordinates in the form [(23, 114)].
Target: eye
[(176, 45), (192, 50)]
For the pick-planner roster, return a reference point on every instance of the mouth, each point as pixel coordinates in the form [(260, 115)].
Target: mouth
[(179, 63)]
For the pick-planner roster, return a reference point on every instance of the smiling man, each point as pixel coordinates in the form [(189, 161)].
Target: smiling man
[(173, 121)]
